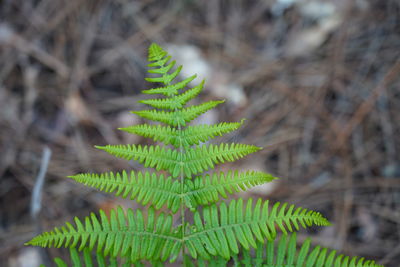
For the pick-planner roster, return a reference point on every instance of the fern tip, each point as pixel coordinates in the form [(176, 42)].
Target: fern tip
[(104, 148), (154, 45), (32, 242), (76, 177)]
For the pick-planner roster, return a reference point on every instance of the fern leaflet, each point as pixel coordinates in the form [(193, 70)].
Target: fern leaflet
[(159, 190), (179, 117), (223, 226), (208, 189), (143, 187), (192, 135), (193, 161), (176, 102), (123, 235), (284, 252), (171, 89)]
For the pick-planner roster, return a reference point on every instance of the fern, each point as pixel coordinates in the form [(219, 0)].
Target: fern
[(193, 161), (239, 231), (192, 135), (159, 190), (130, 235), (223, 225), (283, 252), (89, 262)]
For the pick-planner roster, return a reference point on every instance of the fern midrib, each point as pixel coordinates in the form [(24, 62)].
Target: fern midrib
[(181, 150), (182, 188)]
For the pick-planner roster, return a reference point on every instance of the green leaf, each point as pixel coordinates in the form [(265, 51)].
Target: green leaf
[(150, 156), (131, 232), (283, 252), (193, 161), (202, 158), (160, 58), (210, 188), (178, 117), (202, 133), (87, 261), (224, 234), (164, 69), (187, 137), (176, 102), (144, 187), (221, 225), (156, 53), (166, 78), (171, 89)]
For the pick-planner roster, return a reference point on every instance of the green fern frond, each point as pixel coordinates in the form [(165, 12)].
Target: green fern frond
[(166, 78), (144, 187), (87, 260), (171, 89), (129, 235), (156, 157), (202, 133), (284, 252), (156, 53), (222, 227), (178, 117), (176, 102), (166, 134), (210, 188), (164, 69), (202, 158), (192, 162), (191, 135), (214, 234), (159, 58)]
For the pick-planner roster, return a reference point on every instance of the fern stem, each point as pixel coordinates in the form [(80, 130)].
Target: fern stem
[(182, 178)]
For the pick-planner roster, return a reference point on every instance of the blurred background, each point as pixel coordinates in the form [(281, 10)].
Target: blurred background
[(317, 81)]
